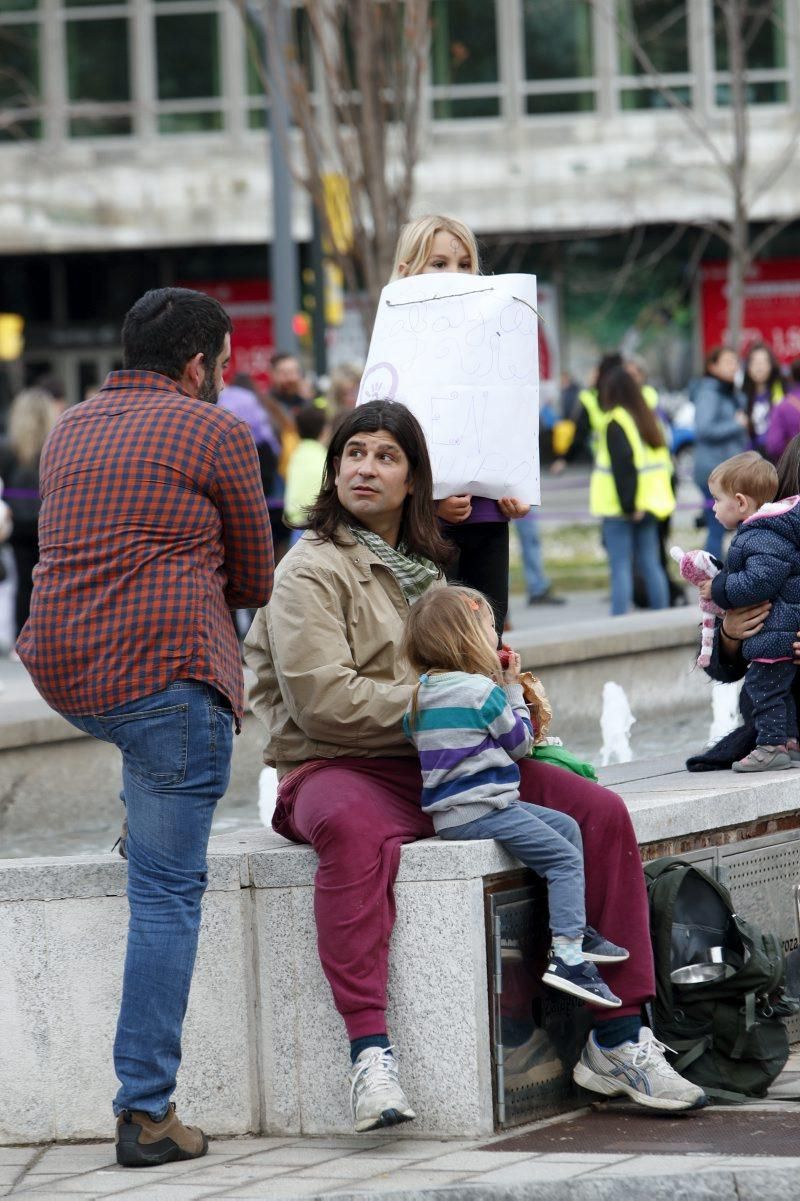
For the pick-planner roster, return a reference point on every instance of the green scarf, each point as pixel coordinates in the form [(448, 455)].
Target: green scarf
[(413, 573)]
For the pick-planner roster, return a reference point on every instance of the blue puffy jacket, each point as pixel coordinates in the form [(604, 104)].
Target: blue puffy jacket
[(764, 564), (718, 434)]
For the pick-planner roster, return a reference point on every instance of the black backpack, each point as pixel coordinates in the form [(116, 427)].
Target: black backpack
[(727, 1034)]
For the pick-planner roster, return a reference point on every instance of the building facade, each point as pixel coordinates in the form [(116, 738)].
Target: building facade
[(133, 147)]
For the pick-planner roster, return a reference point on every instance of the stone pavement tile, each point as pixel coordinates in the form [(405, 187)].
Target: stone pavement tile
[(591, 1160), (299, 1156), (474, 1161), (417, 1149), (17, 1155), (48, 1195), (231, 1175), (412, 1178), (75, 1159), (663, 1165), (290, 1187), (531, 1171), (352, 1167), (163, 1191), (99, 1184), (8, 1174), (247, 1144)]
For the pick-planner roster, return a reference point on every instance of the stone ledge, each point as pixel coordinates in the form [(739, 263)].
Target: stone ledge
[(636, 633), (31, 721), (80, 876), (665, 801)]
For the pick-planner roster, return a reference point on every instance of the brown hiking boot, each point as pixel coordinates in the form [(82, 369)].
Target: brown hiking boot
[(142, 1143)]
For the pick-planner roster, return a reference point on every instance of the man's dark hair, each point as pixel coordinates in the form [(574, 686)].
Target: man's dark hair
[(310, 421), (280, 356), (419, 529), (169, 326)]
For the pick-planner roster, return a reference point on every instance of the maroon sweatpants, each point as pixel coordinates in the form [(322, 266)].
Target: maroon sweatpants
[(357, 813)]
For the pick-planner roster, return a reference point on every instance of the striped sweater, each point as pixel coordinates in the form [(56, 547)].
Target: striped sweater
[(468, 733)]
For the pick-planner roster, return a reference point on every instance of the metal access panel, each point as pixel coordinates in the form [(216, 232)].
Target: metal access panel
[(537, 1032), (763, 877)]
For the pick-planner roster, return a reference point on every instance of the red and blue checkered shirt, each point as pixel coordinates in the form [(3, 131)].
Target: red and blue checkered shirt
[(153, 525)]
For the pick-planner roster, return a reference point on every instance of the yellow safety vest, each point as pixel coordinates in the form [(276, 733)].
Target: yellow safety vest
[(653, 491), (591, 402), (650, 396)]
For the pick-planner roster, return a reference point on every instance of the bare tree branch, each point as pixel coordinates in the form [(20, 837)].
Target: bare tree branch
[(358, 117)]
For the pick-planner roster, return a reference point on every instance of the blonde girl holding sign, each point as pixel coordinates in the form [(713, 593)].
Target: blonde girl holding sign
[(476, 525)]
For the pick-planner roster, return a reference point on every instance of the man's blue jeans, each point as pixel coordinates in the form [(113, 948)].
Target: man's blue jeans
[(629, 542), (176, 755)]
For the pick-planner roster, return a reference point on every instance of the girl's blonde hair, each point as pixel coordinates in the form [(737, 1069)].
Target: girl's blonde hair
[(443, 632), (30, 419), (416, 239)]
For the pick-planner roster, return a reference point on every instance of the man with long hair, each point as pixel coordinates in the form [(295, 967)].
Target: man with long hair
[(331, 689)]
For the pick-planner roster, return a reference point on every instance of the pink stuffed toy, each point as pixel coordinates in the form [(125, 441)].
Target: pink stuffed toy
[(697, 566)]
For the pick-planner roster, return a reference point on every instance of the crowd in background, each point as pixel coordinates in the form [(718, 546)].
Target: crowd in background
[(615, 422)]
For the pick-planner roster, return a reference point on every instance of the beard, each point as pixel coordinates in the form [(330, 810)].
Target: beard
[(209, 390)]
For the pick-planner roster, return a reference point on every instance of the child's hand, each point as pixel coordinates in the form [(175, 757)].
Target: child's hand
[(511, 507), (705, 589), (454, 508), (510, 666)]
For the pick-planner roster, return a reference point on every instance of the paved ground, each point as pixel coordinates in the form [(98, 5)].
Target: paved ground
[(386, 1165)]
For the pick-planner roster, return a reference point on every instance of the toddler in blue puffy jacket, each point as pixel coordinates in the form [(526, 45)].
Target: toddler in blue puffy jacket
[(763, 564)]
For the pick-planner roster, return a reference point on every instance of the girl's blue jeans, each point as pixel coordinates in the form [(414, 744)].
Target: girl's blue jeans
[(631, 543), (176, 754), (550, 844)]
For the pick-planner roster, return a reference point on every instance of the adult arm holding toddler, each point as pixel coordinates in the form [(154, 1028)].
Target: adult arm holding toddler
[(745, 618)]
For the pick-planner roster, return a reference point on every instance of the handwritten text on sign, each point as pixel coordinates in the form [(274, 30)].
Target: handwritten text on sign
[(461, 352)]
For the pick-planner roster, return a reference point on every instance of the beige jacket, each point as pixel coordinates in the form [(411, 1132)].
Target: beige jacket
[(329, 679)]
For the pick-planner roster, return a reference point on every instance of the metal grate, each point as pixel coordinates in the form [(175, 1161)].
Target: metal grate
[(537, 1033), (764, 882)]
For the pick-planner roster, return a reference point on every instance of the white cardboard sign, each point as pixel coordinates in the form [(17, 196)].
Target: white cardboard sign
[(461, 351)]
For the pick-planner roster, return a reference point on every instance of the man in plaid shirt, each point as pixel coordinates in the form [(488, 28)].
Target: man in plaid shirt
[(153, 527)]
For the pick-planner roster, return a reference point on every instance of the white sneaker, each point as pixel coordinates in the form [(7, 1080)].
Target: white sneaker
[(638, 1070), (376, 1097)]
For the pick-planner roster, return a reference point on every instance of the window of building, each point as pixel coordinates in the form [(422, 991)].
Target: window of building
[(98, 75), (464, 61), (188, 71), (652, 53), (763, 46), (20, 94), (559, 56)]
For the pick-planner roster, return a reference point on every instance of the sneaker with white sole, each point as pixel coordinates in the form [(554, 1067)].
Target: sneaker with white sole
[(597, 949), (580, 980), (637, 1070), (376, 1097)]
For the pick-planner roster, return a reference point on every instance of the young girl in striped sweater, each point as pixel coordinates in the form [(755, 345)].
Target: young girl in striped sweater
[(469, 722)]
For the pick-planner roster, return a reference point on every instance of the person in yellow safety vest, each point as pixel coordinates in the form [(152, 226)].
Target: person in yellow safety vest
[(637, 368), (631, 491), (587, 416)]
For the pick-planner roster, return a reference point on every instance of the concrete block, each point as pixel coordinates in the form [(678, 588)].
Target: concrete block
[(85, 955), (26, 1112), (218, 1081), (438, 1014), (276, 986)]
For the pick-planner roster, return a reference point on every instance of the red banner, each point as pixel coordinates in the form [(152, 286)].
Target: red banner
[(248, 304), (771, 310)]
